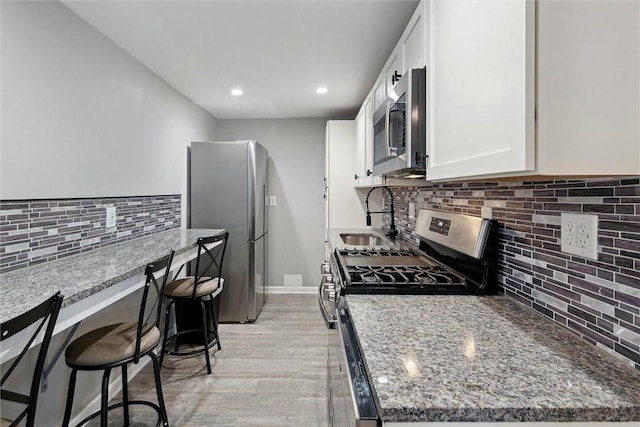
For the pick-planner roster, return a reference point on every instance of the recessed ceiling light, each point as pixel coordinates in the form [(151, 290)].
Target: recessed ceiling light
[(321, 90), (236, 92)]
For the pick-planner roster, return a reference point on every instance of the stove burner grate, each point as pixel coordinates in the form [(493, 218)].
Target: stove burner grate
[(402, 276), (376, 252)]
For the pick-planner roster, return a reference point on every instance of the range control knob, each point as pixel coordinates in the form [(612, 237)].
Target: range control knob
[(325, 268), (328, 278), (331, 296)]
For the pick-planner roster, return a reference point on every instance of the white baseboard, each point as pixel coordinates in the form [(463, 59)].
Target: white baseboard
[(292, 289)]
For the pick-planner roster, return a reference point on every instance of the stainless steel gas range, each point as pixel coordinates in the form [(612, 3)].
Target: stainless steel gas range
[(457, 255)]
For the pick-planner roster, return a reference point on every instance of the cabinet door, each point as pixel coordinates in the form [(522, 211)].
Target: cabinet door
[(359, 155), (480, 87), (344, 208), (588, 88), (379, 92), (414, 42), (393, 69), (368, 119)]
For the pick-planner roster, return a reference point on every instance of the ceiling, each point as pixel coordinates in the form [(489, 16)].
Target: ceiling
[(277, 52)]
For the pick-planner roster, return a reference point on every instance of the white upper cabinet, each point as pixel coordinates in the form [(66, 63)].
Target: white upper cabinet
[(588, 88), (480, 90), (393, 70), (487, 119), (342, 207), (414, 41), (360, 149), (410, 52), (379, 91), (363, 154)]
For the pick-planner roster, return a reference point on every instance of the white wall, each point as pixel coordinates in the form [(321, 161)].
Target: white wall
[(83, 118), (296, 171)]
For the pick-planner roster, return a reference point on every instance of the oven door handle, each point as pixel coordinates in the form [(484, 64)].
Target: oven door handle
[(387, 128), (325, 315)]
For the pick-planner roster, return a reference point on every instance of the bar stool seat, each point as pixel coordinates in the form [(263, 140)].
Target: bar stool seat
[(184, 287), (203, 287), (117, 345), (5, 423), (111, 344)]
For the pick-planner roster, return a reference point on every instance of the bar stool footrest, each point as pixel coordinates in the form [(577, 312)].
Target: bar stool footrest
[(120, 405), (171, 342)]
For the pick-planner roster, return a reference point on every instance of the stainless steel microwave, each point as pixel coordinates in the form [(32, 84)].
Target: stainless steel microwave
[(399, 128)]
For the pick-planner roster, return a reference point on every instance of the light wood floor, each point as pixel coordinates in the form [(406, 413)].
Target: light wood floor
[(268, 373)]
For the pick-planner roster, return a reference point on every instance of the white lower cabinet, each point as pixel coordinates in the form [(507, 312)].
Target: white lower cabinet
[(524, 88)]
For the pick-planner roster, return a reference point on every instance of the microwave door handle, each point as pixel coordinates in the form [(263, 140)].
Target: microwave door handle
[(387, 128)]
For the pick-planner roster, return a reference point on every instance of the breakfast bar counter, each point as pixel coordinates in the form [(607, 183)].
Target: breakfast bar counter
[(92, 280), (485, 359)]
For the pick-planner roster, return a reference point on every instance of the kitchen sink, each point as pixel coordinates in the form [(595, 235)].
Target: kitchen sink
[(363, 239)]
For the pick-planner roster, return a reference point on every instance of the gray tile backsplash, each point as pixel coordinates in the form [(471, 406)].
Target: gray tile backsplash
[(597, 299), (34, 231)]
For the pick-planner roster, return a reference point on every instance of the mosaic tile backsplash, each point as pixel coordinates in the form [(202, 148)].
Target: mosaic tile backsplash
[(599, 300), (34, 231)]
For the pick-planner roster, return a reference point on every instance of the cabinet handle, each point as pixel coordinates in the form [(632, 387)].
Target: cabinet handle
[(368, 172), (355, 177), (395, 77)]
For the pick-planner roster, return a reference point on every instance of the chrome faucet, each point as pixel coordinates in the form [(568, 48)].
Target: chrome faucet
[(392, 232)]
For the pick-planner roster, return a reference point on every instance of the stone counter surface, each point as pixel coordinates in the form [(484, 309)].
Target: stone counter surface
[(469, 358), (82, 275)]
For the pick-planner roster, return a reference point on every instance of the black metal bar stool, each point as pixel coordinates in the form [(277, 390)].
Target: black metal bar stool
[(118, 345), (202, 287), (46, 314)]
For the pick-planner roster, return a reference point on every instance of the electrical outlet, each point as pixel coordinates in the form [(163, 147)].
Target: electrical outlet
[(579, 235), (273, 200), (111, 217), (583, 241), (571, 240)]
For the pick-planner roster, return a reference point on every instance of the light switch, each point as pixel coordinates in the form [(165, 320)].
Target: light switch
[(272, 200), (486, 212), (412, 210)]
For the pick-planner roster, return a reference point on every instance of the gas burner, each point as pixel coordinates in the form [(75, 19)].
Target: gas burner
[(364, 252), (397, 275)]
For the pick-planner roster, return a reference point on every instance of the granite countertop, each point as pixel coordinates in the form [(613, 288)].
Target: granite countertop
[(82, 275), (469, 358)]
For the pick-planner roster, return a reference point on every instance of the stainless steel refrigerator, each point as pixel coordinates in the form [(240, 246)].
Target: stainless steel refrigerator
[(227, 186)]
